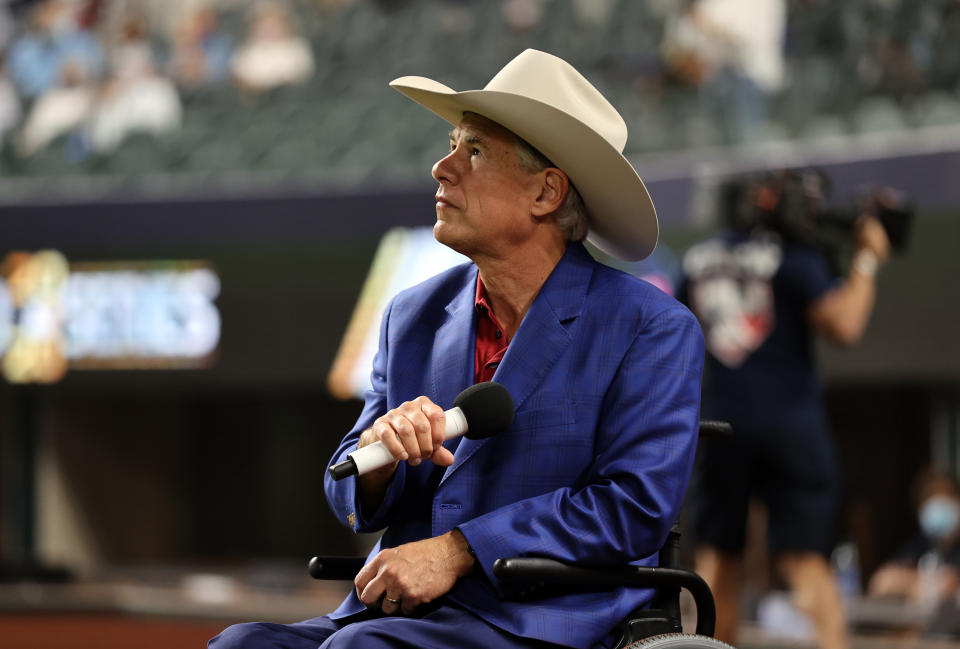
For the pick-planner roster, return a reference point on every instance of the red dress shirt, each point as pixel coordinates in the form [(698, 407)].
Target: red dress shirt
[(491, 342)]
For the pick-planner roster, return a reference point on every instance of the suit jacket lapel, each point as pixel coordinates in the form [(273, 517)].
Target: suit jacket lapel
[(454, 345), (541, 339)]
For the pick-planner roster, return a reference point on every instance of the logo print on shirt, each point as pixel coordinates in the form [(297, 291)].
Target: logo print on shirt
[(731, 293)]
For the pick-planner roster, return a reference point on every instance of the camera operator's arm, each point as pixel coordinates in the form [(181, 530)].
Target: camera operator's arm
[(841, 315)]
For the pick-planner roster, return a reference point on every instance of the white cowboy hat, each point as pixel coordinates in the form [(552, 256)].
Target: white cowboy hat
[(545, 101)]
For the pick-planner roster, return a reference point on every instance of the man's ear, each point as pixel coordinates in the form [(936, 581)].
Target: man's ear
[(553, 190)]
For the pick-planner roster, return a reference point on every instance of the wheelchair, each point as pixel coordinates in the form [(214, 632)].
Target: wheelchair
[(658, 626)]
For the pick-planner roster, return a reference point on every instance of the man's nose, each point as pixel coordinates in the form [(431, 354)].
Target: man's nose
[(444, 169)]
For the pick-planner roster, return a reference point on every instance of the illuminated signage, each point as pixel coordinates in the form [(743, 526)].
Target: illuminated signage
[(56, 315), (405, 256)]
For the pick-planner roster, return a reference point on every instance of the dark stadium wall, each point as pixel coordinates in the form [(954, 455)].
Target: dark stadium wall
[(227, 462), (291, 269)]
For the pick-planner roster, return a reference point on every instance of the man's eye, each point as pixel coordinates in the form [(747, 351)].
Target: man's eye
[(475, 151)]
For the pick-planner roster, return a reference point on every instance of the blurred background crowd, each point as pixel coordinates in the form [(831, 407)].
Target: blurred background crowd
[(203, 203), (125, 87)]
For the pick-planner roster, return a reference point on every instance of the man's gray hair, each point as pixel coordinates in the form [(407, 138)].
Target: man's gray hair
[(572, 214)]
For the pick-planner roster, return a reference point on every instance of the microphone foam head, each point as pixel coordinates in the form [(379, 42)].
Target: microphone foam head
[(487, 407)]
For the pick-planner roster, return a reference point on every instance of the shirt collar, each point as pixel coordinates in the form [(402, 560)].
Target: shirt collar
[(480, 302)]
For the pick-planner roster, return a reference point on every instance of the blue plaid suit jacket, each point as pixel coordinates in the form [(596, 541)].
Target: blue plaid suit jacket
[(605, 373)]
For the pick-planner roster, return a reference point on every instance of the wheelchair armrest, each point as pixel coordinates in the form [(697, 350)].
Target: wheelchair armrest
[(539, 570), (344, 568), (715, 429)]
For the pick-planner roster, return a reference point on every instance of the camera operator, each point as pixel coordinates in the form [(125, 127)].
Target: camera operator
[(762, 289)]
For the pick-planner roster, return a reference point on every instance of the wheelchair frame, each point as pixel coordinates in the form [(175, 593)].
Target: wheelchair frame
[(661, 618)]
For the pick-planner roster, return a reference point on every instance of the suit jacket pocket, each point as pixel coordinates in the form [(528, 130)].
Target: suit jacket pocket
[(544, 448)]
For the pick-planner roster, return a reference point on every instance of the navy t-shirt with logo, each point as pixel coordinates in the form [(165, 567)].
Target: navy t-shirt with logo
[(751, 295)]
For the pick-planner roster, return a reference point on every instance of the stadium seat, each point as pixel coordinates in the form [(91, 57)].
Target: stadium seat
[(877, 114), (936, 109)]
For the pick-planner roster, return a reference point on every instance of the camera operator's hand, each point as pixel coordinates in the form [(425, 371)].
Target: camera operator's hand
[(871, 236), (842, 313)]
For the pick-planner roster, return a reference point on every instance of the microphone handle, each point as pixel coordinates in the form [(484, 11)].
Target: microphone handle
[(374, 456)]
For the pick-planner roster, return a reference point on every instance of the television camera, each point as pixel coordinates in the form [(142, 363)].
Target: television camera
[(795, 204)]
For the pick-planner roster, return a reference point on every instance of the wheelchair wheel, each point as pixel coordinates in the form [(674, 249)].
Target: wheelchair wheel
[(679, 641)]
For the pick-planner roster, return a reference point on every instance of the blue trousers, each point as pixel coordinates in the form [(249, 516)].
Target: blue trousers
[(443, 627)]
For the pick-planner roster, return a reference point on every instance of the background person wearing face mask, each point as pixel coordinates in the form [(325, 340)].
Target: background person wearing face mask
[(926, 570)]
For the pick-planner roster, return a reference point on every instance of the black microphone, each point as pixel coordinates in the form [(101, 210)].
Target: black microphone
[(484, 409)]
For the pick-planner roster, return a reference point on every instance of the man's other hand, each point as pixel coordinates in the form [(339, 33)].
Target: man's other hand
[(400, 579)]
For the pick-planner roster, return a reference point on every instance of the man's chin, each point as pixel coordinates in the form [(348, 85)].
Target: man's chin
[(441, 231), (445, 233)]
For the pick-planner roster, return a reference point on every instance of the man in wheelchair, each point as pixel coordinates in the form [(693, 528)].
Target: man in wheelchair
[(604, 371)]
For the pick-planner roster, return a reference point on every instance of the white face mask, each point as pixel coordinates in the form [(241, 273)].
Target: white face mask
[(939, 517)]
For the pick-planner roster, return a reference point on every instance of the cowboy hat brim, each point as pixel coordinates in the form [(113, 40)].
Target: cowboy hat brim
[(623, 220)]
